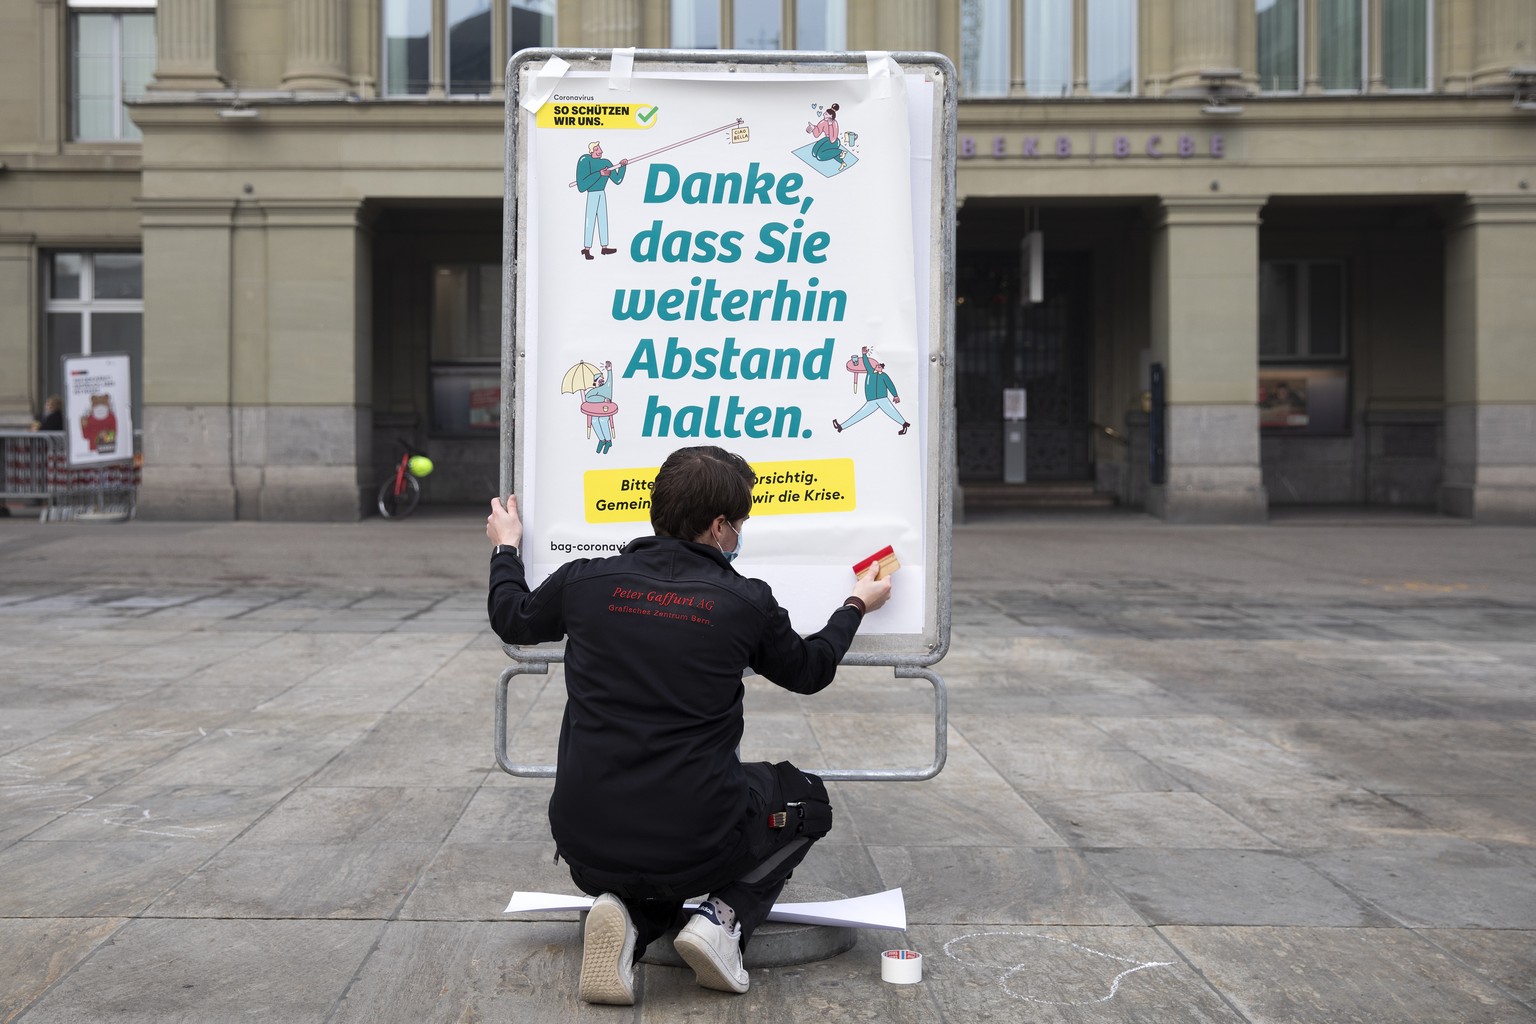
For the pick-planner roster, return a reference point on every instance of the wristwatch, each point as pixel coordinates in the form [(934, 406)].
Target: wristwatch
[(510, 549)]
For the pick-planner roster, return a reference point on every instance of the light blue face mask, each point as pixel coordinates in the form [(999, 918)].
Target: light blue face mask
[(731, 556)]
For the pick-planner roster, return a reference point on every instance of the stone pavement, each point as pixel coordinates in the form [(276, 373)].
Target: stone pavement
[(1274, 774)]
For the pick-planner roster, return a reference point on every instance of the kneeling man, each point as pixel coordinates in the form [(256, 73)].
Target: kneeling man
[(651, 804)]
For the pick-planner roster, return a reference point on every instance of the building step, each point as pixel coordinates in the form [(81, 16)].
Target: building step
[(1047, 494)]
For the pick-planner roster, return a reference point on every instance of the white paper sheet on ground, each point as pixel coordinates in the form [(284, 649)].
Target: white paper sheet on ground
[(878, 910)]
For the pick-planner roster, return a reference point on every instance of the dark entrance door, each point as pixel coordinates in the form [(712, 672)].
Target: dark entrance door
[(1044, 348)]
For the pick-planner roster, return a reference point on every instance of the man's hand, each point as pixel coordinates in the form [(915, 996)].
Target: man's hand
[(874, 593), (624, 162), (606, 171), (504, 525)]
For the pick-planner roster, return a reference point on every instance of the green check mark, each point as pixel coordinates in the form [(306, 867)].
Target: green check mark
[(646, 115)]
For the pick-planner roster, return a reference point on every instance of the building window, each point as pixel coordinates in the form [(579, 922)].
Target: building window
[(1302, 311), (1048, 47), (1112, 47), (1304, 372), (1279, 45), (1343, 58), (821, 25), (464, 62), (112, 58), (1405, 44), (756, 25), (759, 24), (984, 35), (532, 23), (466, 348), (407, 47), (1040, 37), (93, 304), (1341, 45), (469, 47), (696, 24)]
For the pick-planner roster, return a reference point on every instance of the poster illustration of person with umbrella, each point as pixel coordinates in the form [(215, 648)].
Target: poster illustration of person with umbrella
[(595, 386)]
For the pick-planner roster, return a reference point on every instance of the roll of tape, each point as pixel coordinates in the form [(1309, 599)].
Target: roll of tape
[(901, 966)]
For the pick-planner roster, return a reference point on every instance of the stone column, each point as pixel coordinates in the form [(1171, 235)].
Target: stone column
[(309, 429), (188, 54), (608, 23), (1080, 47), (1505, 38), (1375, 79), (18, 332), (1205, 36), (187, 426), (1311, 74), (317, 46), (905, 25), (1205, 325), (1490, 360)]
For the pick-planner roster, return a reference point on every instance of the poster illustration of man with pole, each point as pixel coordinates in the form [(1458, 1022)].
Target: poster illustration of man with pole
[(749, 262)]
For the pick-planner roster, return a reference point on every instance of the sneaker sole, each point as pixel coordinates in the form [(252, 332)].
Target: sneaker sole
[(698, 954), (606, 943)]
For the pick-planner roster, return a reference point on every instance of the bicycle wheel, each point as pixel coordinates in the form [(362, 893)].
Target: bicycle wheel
[(393, 506)]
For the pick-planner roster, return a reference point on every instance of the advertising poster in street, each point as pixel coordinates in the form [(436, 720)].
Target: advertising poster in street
[(735, 259), (98, 413)]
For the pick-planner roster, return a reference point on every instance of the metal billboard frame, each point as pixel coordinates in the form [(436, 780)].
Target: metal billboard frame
[(894, 650)]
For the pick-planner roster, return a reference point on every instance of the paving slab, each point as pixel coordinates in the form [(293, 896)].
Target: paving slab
[(1410, 882), (421, 749), (959, 885), (40, 951), (1064, 975), (1327, 975), (474, 881), (137, 813), (1342, 819), (1228, 887), (199, 972), (89, 880), (260, 748), (362, 814), (250, 879), (980, 813), (1148, 820), (1504, 958), (517, 813)]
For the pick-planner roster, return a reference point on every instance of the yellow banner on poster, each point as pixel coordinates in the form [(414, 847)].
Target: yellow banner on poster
[(798, 487), (598, 116)]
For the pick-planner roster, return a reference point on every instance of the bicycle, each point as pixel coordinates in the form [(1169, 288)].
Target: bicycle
[(399, 493)]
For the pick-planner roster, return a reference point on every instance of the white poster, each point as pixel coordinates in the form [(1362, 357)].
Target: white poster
[(731, 260), (98, 414)]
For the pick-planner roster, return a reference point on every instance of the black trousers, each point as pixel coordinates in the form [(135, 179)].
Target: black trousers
[(750, 883)]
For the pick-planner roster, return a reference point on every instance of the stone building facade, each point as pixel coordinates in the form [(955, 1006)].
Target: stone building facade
[(1300, 232)]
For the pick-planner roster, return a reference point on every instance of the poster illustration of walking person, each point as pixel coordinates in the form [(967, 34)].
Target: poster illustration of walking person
[(749, 262)]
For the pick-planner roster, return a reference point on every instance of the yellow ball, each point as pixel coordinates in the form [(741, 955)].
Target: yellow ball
[(419, 465)]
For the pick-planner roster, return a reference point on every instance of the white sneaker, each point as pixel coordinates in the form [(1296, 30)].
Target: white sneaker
[(607, 954), (713, 952)]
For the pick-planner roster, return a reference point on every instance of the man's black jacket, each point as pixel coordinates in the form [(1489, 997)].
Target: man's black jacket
[(648, 778)]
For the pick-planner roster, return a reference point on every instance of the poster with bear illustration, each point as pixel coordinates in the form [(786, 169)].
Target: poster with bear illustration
[(747, 257), (98, 413)]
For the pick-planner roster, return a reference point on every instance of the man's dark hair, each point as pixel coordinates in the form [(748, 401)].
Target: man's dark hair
[(697, 484)]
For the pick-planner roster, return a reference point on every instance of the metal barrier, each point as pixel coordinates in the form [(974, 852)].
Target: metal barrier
[(25, 458), (34, 467), (527, 661)]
